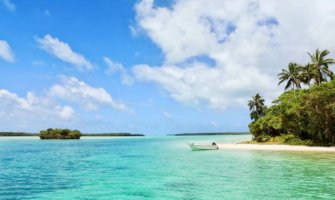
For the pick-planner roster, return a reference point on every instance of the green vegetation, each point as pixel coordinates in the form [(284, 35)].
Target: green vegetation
[(257, 107), (281, 139), (200, 134), (17, 134), (60, 134), (111, 134), (299, 116)]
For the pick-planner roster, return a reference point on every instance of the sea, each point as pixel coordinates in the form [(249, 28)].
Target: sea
[(158, 168)]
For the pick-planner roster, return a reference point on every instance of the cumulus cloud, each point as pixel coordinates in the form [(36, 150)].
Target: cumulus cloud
[(32, 113), (91, 98), (117, 68), (65, 112), (5, 52), (31, 107), (64, 52), (245, 43), (202, 84), (9, 5), (56, 107)]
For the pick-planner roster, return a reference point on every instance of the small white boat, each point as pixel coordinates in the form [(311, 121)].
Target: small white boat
[(204, 146)]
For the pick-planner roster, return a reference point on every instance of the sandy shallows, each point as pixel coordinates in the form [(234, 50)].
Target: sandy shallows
[(274, 147)]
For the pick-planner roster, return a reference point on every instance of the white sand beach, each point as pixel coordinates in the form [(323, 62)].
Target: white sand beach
[(274, 147)]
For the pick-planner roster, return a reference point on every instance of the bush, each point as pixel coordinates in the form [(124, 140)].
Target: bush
[(298, 141), (262, 138), (288, 137), (285, 139)]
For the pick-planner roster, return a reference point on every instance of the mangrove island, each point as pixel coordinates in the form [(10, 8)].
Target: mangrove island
[(59, 134)]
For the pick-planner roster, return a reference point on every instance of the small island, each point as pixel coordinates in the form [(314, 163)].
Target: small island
[(59, 134), (305, 113)]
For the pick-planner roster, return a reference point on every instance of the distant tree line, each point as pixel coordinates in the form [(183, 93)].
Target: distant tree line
[(302, 115), (111, 134), (200, 134), (17, 134)]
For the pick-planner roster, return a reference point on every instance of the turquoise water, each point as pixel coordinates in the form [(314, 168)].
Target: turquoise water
[(159, 168)]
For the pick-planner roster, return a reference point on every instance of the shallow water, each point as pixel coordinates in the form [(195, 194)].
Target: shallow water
[(159, 168)]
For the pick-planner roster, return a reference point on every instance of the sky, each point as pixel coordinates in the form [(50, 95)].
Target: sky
[(152, 67)]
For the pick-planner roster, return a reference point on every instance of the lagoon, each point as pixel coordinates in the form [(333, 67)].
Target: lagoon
[(158, 168)]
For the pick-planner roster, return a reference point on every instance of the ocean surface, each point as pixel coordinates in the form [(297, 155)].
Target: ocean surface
[(158, 168)]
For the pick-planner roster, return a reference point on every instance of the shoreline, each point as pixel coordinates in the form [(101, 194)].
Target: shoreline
[(274, 147)]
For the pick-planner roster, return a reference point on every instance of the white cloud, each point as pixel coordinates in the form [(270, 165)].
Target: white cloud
[(117, 68), (65, 112), (91, 98), (203, 84), (9, 5), (56, 107), (31, 107), (32, 113), (8, 97), (64, 52), (5, 52), (248, 42)]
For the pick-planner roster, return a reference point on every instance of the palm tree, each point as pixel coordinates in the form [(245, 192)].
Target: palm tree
[(257, 107), (292, 76), (321, 64), (308, 74)]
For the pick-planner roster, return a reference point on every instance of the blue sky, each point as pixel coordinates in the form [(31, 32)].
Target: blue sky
[(152, 67)]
